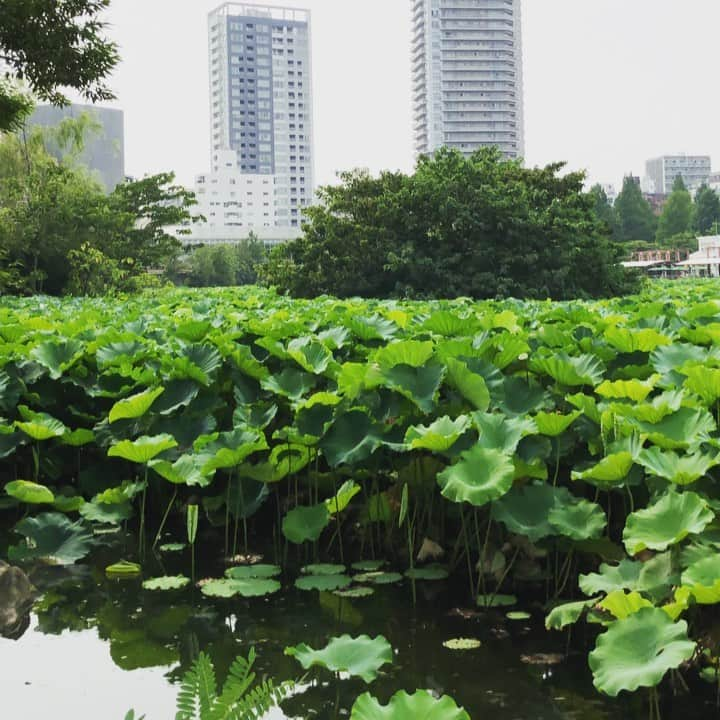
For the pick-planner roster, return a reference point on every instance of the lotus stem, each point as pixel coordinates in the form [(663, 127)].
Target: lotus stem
[(467, 552), (227, 514), (506, 573), (165, 517), (142, 515), (337, 521)]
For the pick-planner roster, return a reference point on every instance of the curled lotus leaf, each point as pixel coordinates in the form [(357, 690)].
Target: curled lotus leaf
[(359, 656), (143, 449), (637, 651), (635, 390), (666, 522), (29, 492), (677, 469), (123, 569), (479, 477), (420, 705), (345, 493), (568, 613), (134, 406)]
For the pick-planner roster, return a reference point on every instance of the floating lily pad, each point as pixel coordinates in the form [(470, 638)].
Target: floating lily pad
[(166, 582), (323, 582), (355, 592), (243, 572), (421, 704), (250, 587), (462, 644), (368, 565), (518, 615), (123, 569), (379, 578), (491, 601), (172, 547), (324, 569)]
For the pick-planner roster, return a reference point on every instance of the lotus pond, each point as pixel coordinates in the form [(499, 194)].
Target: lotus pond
[(512, 504)]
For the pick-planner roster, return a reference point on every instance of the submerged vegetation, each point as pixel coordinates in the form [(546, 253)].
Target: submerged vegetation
[(560, 456)]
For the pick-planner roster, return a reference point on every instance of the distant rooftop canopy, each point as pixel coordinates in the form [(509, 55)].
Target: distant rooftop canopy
[(264, 11)]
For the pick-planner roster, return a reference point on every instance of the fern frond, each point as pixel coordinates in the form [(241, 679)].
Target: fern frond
[(197, 690), (260, 699), (187, 699), (239, 680), (207, 685)]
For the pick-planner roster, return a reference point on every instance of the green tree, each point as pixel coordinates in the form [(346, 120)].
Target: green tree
[(251, 256), (706, 213), (53, 44), (604, 210), (676, 218), (635, 216), (481, 226)]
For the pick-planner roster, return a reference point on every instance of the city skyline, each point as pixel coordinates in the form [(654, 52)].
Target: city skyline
[(600, 94)]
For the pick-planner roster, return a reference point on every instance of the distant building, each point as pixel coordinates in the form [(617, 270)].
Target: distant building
[(706, 261), (659, 263), (610, 192), (467, 75), (261, 103), (663, 171), (104, 153), (657, 201)]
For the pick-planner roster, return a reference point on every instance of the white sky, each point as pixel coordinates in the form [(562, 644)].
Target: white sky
[(608, 83)]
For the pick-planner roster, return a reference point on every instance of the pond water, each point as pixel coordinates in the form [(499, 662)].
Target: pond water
[(96, 648)]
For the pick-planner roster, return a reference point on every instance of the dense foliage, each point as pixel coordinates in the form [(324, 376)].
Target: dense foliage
[(557, 448), (636, 220), (60, 232), (52, 45), (479, 227)]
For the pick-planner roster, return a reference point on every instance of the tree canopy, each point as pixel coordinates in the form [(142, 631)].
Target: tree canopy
[(604, 210), (50, 45), (635, 216), (676, 217), (478, 226)]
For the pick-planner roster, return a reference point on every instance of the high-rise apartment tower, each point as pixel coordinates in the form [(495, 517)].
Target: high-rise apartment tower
[(261, 100), (467, 75)]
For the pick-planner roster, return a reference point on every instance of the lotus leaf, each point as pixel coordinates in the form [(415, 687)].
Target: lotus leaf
[(29, 492), (302, 523), (360, 657), (570, 371), (39, 426), (323, 582), (412, 353), (554, 424), (186, 470), (420, 385), (421, 705), (518, 615), (241, 572), (310, 354), (51, 538), (78, 438), (491, 601), (351, 439), (462, 644), (324, 569), (567, 614), (577, 520), (368, 565), (678, 469), (245, 587), (635, 390), (439, 436), (703, 580), (290, 383), (143, 449), (345, 493), (469, 384), (379, 578), (621, 604), (630, 340), (502, 433), (638, 651), (613, 469), (624, 576), (666, 522), (135, 406), (685, 428), (110, 513), (123, 569), (166, 582), (480, 476), (172, 547), (57, 356), (230, 449)]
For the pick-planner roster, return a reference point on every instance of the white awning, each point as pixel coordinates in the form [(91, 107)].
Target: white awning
[(701, 261), (644, 263)]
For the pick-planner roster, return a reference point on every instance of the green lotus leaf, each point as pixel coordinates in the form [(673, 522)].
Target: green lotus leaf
[(242, 572), (368, 565), (630, 340), (29, 492), (108, 513), (68, 503), (580, 520), (703, 580), (638, 651), (430, 572), (379, 578), (120, 494), (355, 592), (78, 438), (310, 354), (621, 604), (186, 470), (570, 371), (323, 583), (613, 469), (624, 576), (360, 657), (525, 510), (345, 493), (498, 432), (567, 614), (57, 355), (178, 394), (518, 615), (654, 411), (421, 705), (354, 378), (448, 324), (412, 353), (289, 383), (666, 522), (520, 397), (135, 406), (39, 426), (51, 538), (305, 523), (635, 390), (143, 449), (685, 428), (230, 449), (674, 357), (172, 547), (491, 601), (439, 436), (116, 353), (245, 587), (705, 382), (462, 644), (554, 424), (204, 357), (587, 405), (351, 439), (469, 384), (420, 385), (167, 582), (678, 469), (480, 476), (374, 327), (133, 650), (123, 569), (323, 569), (247, 363)]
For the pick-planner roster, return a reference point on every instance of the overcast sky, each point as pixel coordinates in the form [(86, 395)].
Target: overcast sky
[(608, 83)]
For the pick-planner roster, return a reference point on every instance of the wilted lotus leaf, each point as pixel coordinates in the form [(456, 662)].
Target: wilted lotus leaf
[(361, 657), (638, 651)]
